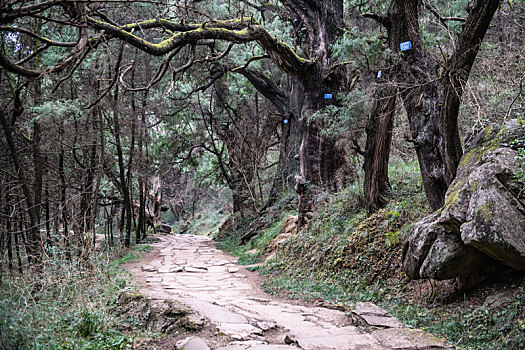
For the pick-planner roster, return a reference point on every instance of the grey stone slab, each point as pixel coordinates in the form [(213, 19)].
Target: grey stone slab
[(216, 314), (272, 347), (409, 339), (255, 345), (199, 266), (239, 331), (373, 315), (338, 342), (266, 326), (176, 268), (194, 269), (381, 321), (148, 268), (369, 309), (217, 269), (220, 262), (193, 344), (164, 269)]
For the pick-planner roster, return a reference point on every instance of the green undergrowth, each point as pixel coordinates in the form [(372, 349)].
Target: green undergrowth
[(210, 221), (132, 255), (470, 323), (68, 306), (201, 218), (344, 257), (255, 250)]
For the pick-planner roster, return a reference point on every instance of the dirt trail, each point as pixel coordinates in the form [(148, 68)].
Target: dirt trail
[(191, 270)]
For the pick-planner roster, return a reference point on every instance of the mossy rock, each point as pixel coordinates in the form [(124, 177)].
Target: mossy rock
[(482, 211), (127, 297)]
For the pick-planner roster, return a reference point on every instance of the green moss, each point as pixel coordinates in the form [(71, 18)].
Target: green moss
[(176, 309), (452, 195), (128, 297), (485, 212), (489, 144), (471, 157)]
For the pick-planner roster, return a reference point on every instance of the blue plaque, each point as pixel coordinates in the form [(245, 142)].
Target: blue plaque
[(285, 121), (327, 96), (407, 45), (379, 74)]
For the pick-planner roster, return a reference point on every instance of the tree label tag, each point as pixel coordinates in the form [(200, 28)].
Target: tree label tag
[(379, 75), (407, 45), (285, 121), (327, 96)]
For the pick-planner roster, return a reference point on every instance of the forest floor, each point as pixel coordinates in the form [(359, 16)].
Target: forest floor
[(236, 313)]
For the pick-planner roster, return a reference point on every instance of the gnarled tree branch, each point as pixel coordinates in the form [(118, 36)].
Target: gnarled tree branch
[(237, 31)]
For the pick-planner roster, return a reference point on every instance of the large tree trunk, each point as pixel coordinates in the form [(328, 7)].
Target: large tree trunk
[(142, 180), (431, 92), (62, 208), (323, 164), (86, 214), (377, 152)]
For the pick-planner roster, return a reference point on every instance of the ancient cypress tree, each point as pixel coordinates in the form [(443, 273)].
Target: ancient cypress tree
[(431, 86)]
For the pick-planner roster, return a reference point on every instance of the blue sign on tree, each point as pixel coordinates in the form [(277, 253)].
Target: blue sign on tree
[(407, 45), (327, 96)]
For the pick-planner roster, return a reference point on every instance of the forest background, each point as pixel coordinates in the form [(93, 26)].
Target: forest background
[(120, 115)]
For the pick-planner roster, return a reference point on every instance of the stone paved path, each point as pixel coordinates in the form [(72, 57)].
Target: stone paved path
[(191, 270)]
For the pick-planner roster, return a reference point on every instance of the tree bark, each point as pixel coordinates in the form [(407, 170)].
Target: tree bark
[(142, 180), (377, 152), (323, 163), (9, 238), (431, 91)]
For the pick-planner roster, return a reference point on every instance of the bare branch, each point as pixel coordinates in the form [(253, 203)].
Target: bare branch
[(19, 69), (268, 88), (250, 60), (113, 81), (158, 76), (12, 14), (381, 19), (520, 92), (217, 57), (442, 19), (36, 36), (77, 51)]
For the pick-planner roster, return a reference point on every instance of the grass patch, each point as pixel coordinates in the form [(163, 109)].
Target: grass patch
[(69, 306), (132, 255), (254, 251), (470, 324)]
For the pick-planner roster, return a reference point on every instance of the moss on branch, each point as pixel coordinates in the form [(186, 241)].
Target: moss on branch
[(238, 31)]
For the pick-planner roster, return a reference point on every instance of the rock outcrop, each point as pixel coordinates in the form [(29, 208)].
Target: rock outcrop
[(483, 218)]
